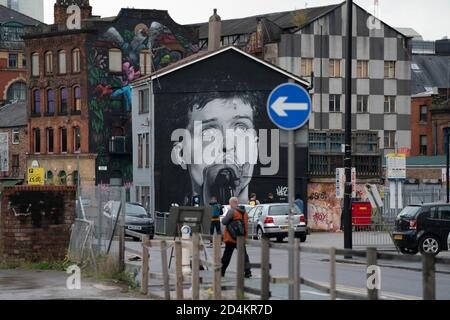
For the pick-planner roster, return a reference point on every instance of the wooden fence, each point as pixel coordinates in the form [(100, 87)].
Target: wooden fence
[(371, 255)]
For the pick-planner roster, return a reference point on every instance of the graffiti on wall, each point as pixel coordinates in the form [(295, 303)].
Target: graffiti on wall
[(324, 209), (148, 46), (4, 154)]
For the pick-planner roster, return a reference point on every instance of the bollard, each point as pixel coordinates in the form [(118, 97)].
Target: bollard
[(429, 277), (186, 232)]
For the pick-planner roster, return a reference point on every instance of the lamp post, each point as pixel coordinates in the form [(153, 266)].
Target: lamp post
[(348, 241)]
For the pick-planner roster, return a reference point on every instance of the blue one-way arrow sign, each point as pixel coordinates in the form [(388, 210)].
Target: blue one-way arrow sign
[(289, 106)]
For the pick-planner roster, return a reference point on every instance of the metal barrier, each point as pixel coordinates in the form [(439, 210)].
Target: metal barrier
[(373, 235), (161, 219)]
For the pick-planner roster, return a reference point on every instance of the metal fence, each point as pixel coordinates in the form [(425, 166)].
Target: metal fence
[(97, 231)]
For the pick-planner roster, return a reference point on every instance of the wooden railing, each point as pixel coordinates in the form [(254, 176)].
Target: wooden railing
[(371, 255)]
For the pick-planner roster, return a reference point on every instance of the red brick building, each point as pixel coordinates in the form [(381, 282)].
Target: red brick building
[(12, 58), (58, 104)]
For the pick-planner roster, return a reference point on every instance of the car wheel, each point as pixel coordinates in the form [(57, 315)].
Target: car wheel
[(430, 244), (260, 234), (303, 238), (280, 240), (409, 251)]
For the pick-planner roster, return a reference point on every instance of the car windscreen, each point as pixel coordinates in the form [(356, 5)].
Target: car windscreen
[(281, 210), (409, 212), (136, 211)]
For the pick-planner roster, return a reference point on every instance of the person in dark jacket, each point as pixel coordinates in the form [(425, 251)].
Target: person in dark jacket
[(270, 198), (215, 218), (235, 213)]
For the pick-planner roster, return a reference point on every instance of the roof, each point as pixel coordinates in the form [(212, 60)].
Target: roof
[(428, 72), (13, 115), (208, 54), (285, 20), (9, 15), (410, 32)]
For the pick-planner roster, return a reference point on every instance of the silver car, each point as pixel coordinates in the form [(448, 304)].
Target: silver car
[(272, 221)]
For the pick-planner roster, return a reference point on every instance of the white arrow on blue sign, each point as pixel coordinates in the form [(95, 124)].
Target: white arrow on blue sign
[(289, 106)]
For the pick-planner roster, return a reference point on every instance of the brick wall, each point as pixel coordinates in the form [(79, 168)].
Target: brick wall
[(419, 128), (35, 223)]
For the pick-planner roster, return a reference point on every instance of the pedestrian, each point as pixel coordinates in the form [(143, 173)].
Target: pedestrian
[(215, 218), (299, 203), (253, 200), (235, 214), (270, 198)]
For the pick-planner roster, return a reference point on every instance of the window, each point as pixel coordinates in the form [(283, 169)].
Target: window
[(137, 194), (36, 108), (147, 149), (51, 101), (306, 67), (37, 140), (13, 61), (15, 165), (75, 178), (76, 61), (63, 136), (17, 92), (62, 65), (77, 140), (115, 60), (363, 104), (335, 103), (145, 197), (76, 99), (50, 140), (140, 150), (146, 62), (50, 177), (423, 116), (16, 136), (389, 69), (444, 213), (48, 62), (335, 68), (24, 61), (362, 68), (389, 139), (423, 145), (35, 64), (62, 175), (143, 101), (63, 100), (389, 104)]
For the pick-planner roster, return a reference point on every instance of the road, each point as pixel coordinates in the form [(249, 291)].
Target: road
[(396, 284)]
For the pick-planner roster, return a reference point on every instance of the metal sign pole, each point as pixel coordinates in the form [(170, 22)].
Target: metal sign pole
[(291, 187)]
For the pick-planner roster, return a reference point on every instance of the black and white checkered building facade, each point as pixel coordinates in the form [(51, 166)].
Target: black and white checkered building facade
[(322, 42)]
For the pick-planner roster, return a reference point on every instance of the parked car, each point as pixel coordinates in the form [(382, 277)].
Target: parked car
[(272, 221), (137, 218), (423, 228)]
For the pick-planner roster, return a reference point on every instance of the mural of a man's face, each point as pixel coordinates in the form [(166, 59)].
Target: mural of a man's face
[(231, 175)]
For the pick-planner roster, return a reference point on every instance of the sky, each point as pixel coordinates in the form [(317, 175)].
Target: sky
[(430, 18)]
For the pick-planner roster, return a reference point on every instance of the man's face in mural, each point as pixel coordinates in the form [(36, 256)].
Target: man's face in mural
[(232, 171)]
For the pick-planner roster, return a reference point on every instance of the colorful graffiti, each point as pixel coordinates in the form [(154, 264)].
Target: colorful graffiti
[(110, 94), (324, 209)]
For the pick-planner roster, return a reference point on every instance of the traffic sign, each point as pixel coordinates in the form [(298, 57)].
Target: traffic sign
[(36, 176), (289, 106)]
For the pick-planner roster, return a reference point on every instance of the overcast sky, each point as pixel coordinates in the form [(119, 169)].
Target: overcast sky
[(428, 17)]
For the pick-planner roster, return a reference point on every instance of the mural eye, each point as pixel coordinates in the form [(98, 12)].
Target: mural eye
[(241, 128), (208, 134)]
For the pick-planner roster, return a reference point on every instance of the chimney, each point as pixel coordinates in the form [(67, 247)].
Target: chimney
[(214, 32), (60, 10)]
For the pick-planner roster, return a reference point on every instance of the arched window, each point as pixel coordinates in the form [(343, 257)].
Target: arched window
[(36, 103), (145, 62), (76, 98), (35, 64), (115, 60), (51, 101), (76, 60), (17, 92), (62, 62), (49, 178), (62, 178), (48, 62), (63, 99), (37, 140), (77, 140)]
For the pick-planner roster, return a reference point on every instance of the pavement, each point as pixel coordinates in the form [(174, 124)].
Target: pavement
[(51, 285)]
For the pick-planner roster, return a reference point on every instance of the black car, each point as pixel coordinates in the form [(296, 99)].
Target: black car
[(137, 218), (423, 228)]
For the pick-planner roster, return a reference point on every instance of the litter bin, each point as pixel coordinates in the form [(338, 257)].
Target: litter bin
[(362, 215)]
